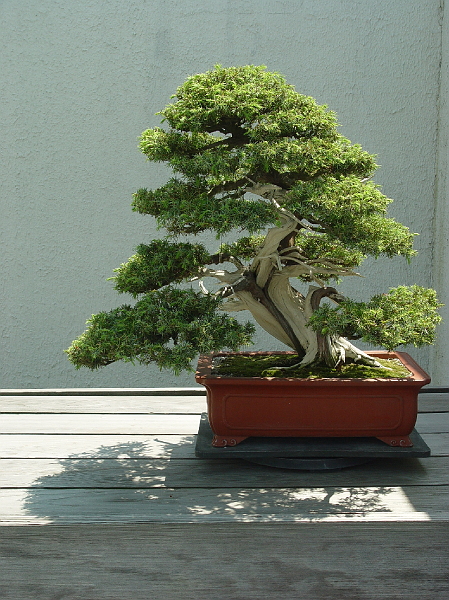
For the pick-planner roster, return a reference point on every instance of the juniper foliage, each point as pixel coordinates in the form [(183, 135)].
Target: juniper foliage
[(249, 154)]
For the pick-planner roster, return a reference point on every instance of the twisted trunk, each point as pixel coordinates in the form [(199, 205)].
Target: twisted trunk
[(284, 313), (265, 290)]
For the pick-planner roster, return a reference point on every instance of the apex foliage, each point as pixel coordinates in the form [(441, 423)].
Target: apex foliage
[(248, 152)]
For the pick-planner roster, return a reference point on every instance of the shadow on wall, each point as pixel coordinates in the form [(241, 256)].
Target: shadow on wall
[(118, 483)]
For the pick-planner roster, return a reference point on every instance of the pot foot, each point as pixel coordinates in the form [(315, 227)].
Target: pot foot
[(220, 441), (402, 441)]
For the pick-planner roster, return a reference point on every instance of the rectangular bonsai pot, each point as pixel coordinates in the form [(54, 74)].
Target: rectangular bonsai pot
[(241, 407)]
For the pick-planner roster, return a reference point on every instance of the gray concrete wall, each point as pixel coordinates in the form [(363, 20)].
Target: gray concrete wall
[(81, 80), (440, 261)]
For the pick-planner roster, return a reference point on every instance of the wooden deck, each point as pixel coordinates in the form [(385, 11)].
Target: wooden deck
[(102, 497)]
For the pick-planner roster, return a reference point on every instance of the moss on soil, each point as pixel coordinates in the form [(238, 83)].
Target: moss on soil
[(268, 366)]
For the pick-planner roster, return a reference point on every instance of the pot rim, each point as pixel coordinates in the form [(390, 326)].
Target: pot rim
[(418, 375)]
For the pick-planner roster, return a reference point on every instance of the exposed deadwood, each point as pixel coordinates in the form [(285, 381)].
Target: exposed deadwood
[(264, 289)]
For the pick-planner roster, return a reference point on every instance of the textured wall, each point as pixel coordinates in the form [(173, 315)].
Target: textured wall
[(440, 261), (81, 80)]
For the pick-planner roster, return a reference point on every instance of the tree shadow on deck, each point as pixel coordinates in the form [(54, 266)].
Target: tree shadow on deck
[(166, 483)]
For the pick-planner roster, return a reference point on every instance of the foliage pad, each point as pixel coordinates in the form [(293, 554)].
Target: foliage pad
[(167, 327)]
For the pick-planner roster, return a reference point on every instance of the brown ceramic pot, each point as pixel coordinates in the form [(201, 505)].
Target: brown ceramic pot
[(240, 407)]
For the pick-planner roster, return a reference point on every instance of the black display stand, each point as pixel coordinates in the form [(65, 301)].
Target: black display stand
[(303, 453)]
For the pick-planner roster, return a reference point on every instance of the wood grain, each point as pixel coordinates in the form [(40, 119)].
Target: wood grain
[(434, 402), (208, 505), (182, 424), (238, 561), (145, 403), (92, 446), (137, 446), (99, 423), (102, 497), (114, 404), (106, 473)]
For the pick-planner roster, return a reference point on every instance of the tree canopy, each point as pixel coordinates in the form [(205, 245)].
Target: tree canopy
[(249, 154)]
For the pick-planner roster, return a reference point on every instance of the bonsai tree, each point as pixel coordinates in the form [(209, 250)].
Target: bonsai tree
[(255, 159)]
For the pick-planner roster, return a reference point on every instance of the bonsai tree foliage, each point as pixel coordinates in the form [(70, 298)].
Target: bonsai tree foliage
[(252, 157)]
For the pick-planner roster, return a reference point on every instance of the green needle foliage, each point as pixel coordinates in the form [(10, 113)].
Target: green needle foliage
[(160, 263), (406, 315), (168, 327), (249, 154), (184, 208)]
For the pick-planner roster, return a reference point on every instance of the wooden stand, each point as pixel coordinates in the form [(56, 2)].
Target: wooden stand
[(307, 453)]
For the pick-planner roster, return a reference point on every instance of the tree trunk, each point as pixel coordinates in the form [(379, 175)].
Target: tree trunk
[(284, 314), (264, 289)]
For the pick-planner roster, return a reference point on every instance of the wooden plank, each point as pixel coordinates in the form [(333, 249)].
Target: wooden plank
[(140, 403), (144, 446), (99, 423), (145, 423), (438, 443), (181, 391), (433, 423), (242, 561), (90, 446), (103, 404), (198, 389), (187, 505), (435, 402), (181, 473)]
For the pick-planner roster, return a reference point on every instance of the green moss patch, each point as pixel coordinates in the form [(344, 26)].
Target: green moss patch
[(270, 366)]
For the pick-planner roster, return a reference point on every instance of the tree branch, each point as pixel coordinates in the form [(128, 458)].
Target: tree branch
[(221, 274), (231, 142), (228, 187), (220, 257)]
